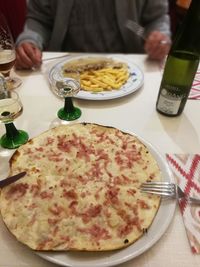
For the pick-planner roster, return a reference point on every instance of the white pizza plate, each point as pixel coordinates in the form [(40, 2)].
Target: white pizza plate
[(104, 259), (134, 82)]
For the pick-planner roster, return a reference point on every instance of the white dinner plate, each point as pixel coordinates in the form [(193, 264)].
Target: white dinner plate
[(104, 259), (134, 82)]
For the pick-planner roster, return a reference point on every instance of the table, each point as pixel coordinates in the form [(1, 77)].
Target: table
[(135, 113)]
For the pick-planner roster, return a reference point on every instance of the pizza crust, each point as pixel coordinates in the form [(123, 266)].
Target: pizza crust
[(81, 191)]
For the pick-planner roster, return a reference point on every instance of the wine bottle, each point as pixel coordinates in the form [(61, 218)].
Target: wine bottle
[(181, 65)]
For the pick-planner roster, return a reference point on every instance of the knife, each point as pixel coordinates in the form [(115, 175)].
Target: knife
[(55, 57), (11, 179)]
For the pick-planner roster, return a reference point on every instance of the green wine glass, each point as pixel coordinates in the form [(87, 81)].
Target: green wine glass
[(11, 108), (67, 86)]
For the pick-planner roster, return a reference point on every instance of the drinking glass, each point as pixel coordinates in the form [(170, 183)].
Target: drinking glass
[(66, 86), (7, 54), (11, 108)]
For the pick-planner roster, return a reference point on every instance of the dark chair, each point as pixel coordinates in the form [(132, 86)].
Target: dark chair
[(15, 13)]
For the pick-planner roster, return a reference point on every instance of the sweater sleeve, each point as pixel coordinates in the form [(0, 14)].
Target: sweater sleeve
[(155, 16), (39, 23)]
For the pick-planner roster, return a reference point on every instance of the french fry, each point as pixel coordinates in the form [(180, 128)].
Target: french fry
[(105, 79)]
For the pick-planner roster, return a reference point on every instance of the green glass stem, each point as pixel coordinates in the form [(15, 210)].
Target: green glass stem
[(13, 138), (68, 106), (69, 112), (11, 130)]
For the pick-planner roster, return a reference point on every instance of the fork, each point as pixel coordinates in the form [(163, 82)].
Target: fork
[(139, 30), (167, 189), (136, 28)]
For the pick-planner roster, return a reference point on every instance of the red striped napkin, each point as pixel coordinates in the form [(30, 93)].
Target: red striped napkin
[(195, 90), (186, 170)]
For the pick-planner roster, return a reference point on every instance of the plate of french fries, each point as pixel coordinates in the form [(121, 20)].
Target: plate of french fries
[(102, 77)]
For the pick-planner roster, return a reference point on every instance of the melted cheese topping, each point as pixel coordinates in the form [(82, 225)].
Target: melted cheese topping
[(81, 191)]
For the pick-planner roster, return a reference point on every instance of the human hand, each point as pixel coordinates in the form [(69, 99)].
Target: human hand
[(157, 45), (28, 56)]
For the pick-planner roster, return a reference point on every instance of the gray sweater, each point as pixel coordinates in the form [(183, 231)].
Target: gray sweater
[(47, 22)]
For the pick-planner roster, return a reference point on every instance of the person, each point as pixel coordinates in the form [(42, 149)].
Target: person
[(15, 13), (92, 26)]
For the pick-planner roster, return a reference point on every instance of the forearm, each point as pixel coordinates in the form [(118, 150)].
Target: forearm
[(31, 37), (155, 17), (38, 25)]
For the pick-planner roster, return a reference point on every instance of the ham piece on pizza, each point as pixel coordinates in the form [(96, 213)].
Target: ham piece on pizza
[(81, 190)]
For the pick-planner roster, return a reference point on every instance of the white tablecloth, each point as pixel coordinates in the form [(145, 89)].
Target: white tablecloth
[(135, 113)]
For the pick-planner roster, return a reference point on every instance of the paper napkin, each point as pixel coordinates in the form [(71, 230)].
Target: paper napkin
[(186, 170), (195, 90)]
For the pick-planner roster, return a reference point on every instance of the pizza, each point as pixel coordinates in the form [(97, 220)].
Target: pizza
[(81, 191)]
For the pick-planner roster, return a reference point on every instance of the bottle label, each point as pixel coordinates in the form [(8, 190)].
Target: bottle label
[(169, 102)]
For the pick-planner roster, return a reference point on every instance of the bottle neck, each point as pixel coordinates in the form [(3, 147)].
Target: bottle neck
[(188, 36)]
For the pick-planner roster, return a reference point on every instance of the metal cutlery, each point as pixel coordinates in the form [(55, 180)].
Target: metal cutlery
[(11, 179), (139, 30), (167, 189), (55, 57), (136, 28)]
